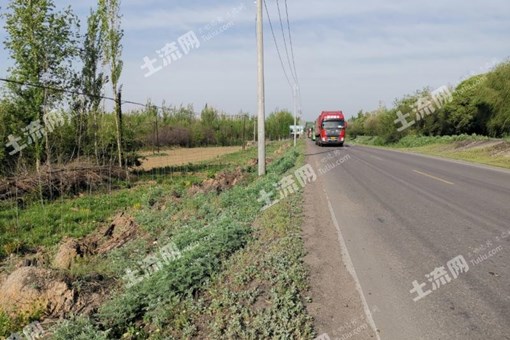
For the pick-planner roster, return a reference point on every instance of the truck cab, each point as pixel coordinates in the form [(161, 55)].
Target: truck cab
[(330, 128)]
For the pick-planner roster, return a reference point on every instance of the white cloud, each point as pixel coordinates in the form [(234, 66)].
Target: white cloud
[(349, 54)]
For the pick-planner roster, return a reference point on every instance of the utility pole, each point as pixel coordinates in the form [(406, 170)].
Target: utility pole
[(157, 129), (244, 131), (261, 92), (295, 113)]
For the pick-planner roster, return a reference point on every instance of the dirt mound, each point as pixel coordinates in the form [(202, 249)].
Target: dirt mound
[(122, 230), (67, 253), (254, 161), (38, 258), (221, 182), (30, 289), (282, 149)]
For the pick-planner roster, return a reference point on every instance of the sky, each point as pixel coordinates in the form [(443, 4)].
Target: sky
[(349, 55)]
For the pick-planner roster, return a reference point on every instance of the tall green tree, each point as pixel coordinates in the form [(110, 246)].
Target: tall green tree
[(109, 12), (496, 98), (463, 112), (278, 124), (92, 80), (42, 42)]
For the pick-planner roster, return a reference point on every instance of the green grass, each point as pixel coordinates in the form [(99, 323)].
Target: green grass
[(45, 224), (481, 156), (416, 141), (168, 304), (227, 221), (161, 205), (261, 293)]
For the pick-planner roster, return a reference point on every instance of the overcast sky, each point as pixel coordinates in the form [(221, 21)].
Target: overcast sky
[(350, 55)]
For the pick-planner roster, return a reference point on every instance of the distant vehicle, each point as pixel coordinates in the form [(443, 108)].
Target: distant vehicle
[(299, 130), (309, 129), (330, 128)]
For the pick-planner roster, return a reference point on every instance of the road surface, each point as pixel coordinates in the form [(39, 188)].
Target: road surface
[(417, 222)]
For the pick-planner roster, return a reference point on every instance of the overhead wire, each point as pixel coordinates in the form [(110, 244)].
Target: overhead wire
[(285, 42), (291, 44), (291, 61), (276, 45), (72, 92)]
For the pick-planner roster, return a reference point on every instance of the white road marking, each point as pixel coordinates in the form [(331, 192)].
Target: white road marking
[(433, 177), (346, 258)]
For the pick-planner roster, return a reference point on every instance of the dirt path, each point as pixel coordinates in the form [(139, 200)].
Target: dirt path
[(336, 305)]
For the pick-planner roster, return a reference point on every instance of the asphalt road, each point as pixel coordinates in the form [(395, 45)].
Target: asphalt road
[(405, 216)]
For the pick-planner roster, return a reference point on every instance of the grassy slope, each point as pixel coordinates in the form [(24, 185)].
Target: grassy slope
[(46, 223), (247, 280), (447, 147), (260, 295), (42, 225)]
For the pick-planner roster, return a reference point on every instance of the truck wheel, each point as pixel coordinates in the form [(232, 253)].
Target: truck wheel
[(342, 145)]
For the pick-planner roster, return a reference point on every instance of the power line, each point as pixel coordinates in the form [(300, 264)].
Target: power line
[(291, 44), (72, 92), (294, 76), (276, 44), (296, 92), (298, 89)]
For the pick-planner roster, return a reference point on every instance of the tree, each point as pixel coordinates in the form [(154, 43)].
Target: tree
[(496, 99), (462, 113), (109, 12), (91, 80), (209, 115), (278, 124), (356, 125), (42, 43)]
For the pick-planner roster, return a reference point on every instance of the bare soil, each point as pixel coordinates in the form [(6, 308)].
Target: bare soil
[(470, 145), (175, 157), (221, 182), (37, 286)]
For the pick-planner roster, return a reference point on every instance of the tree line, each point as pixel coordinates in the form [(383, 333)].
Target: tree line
[(57, 68), (478, 105)]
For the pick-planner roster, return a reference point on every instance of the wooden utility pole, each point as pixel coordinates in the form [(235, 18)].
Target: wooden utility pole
[(118, 120)]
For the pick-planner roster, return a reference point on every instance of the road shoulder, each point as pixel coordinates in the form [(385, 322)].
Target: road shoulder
[(336, 305)]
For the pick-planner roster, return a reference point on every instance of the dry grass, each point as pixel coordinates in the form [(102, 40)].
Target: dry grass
[(175, 157), (57, 180), (489, 153)]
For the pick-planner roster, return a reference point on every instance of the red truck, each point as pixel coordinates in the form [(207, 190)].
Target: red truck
[(330, 128)]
